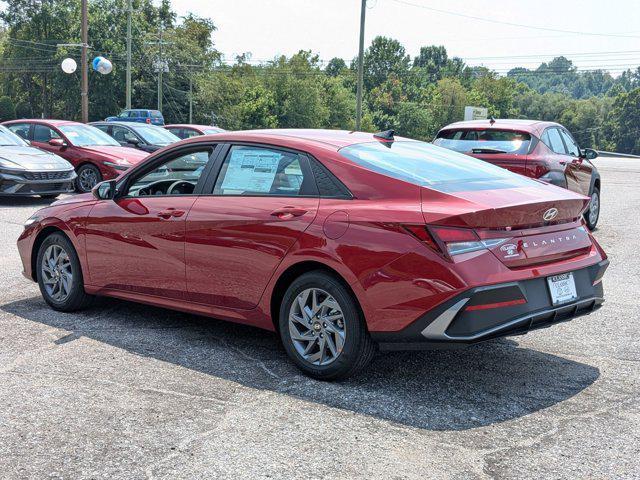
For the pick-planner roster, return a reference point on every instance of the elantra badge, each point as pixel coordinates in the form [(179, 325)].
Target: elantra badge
[(550, 214)]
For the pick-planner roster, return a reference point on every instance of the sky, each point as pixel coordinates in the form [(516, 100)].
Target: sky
[(330, 28)]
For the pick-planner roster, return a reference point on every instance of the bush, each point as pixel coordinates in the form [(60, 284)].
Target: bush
[(7, 109)]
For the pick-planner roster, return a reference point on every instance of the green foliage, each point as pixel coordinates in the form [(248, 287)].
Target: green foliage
[(626, 121), (7, 109)]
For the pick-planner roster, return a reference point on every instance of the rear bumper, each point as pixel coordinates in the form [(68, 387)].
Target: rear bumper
[(518, 308)]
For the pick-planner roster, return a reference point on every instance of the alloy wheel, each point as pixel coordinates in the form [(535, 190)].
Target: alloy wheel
[(87, 179), (317, 326), (56, 272)]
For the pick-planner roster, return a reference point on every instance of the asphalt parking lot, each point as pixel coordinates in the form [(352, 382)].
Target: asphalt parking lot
[(129, 391)]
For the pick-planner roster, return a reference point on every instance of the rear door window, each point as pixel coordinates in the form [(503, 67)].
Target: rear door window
[(20, 129), (484, 141), (261, 171)]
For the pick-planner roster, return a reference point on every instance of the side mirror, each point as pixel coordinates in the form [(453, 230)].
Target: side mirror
[(133, 141), (57, 142), (104, 190), (589, 153)]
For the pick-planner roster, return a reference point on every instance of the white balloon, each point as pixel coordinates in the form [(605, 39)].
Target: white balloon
[(69, 65), (104, 66)]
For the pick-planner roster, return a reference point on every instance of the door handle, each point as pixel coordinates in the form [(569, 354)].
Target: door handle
[(288, 212), (170, 212)]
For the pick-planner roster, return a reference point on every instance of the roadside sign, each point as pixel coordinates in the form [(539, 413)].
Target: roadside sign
[(475, 113)]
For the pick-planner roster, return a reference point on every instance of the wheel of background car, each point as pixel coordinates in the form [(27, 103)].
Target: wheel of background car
[(88, 177), (592, 214), (59, 274), (179, 183), (322, 329)]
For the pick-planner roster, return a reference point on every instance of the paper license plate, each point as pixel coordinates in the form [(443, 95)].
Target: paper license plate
[(562, 288)]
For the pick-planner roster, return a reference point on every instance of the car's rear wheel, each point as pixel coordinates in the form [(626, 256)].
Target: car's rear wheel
[(592, 214), (59, 274), (88, 177), (322, 328)]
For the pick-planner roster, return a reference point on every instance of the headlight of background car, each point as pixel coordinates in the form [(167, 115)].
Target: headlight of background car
[(9, 165), (122, 165)]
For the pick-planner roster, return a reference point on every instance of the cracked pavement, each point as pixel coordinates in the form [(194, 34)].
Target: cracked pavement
[(129, 391)]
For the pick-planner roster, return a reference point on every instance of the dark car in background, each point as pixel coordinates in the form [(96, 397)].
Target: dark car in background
[(27, 170), (94, 154), (188, 130), (542, 150), (140, 115), (142, 136)]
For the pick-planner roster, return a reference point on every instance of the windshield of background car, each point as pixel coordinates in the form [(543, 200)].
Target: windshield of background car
[(155, 114), (156, 135), (484, 141), (8, 138), (212, 131), (430, 166), (86, 135)]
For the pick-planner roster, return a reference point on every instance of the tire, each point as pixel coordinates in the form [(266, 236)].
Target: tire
[(75, 298), (297, 336), (88, 177), (591, 218)]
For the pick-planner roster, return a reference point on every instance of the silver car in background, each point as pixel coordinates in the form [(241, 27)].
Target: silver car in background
[(27, 170)]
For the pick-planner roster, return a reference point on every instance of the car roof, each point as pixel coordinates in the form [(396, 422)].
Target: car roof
[(131, 125), (45, 121), (333, 138), (531, 126), (190, 125)]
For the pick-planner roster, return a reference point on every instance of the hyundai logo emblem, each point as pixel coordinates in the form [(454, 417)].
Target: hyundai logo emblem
[(550, 214)]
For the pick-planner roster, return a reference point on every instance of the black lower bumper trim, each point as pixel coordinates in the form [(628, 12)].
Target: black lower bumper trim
[(450, 325)]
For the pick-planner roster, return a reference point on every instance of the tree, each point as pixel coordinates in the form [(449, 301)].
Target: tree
[(384, 58), (626, 117), (7, 109), (335, 67)]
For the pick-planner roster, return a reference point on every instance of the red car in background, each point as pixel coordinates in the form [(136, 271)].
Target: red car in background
[(542, 150), (94, 154), (342, 242), (188, 130)]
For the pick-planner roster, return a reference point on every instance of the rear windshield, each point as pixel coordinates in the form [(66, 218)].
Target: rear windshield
[(484, 141), (430, 166)]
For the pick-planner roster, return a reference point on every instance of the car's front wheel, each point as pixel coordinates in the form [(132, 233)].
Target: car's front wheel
[(592, 214), (88, 177), (322, 328), (60, 275)]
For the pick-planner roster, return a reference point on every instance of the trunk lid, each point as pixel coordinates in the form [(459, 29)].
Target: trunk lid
[(537, 223), (532, 204)]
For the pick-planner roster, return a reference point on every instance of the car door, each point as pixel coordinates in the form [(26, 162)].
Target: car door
[(560, 159), (578, 168), (136, 242), (262, 200)]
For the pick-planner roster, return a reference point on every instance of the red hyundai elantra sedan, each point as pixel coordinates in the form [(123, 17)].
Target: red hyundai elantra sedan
[(94, 154), (342, 242)]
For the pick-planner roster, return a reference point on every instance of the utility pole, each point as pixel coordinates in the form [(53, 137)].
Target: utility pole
[(128, 75), (160, 65), (160, 72), (360, 66), (84, 90), (190, 97)]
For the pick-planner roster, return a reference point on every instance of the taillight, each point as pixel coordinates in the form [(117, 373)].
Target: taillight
[(537, 168), (148, 120), (451, 241)]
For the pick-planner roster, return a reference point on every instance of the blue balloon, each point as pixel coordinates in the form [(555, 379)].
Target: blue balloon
[(96, 61)]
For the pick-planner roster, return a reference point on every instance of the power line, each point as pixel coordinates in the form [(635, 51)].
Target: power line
[(511, 24)]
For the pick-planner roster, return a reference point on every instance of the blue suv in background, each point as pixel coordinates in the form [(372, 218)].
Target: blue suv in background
[(153, 117)]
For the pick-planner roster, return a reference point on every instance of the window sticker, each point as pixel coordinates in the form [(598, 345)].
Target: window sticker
[(251, 170)]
